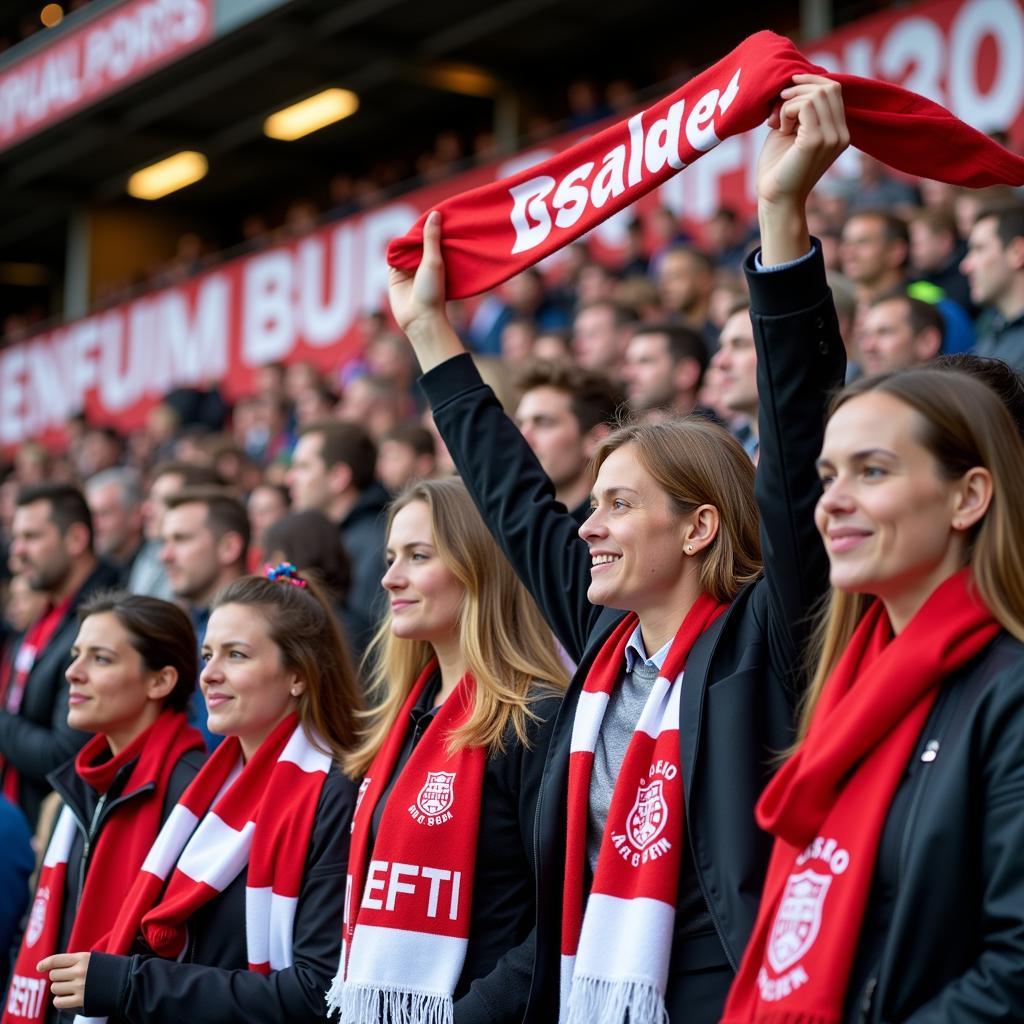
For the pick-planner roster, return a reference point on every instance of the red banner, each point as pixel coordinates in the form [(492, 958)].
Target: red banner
[(302, 300), (102, 56)]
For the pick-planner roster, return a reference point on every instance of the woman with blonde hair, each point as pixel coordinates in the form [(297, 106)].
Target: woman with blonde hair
[(441, 872), (896, 885), (649, 861)]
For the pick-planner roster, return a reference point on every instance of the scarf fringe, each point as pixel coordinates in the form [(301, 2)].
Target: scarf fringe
[(369, 1004), (607, 1001)]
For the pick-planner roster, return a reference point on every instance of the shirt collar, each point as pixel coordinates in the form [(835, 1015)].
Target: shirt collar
[(635, 652)]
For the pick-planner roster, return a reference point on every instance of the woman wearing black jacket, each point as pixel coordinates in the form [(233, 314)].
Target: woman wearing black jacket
[(896, 886), (237, 910), (441, 872), (670, 540), (131, 677)]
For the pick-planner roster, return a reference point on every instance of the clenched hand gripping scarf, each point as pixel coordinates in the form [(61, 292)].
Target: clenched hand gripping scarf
[(616, 946), (495, 231), (828, 804), (407, 904)]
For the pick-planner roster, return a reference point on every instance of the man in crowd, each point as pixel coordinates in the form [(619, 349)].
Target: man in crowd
[(600, 333), (332, 470), (873, 254), (564, 413), (406, 454), (148, 575), (936, 251), (663, 370), (898, 333), (115, 501), (685, 279), (205, 546), (52, 545), (736, 362), (994, 266)]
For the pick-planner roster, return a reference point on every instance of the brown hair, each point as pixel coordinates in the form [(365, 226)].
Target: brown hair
[(594, 397), (346, 443), (309, 540), (160, 631), (963, 425), (225, 512), (304, 629), (507, 645), (697, 462)]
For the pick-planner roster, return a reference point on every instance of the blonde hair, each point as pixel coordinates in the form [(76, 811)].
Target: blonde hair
[(508, 647), (964, 425), (697, 462)]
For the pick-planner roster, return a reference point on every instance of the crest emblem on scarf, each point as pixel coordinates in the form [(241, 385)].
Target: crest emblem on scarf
[(38, 916), (798, 919), (437, 794), (648, 816)]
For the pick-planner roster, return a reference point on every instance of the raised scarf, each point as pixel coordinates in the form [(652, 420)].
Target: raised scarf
[(113, 862), (407, 904), (616, 947), (37, 638), (259, 814), (828, 804), (493, 232)]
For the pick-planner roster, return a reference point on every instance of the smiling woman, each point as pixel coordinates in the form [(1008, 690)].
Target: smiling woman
[(238, 907)]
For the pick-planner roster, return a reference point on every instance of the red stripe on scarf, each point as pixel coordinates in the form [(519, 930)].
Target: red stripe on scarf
[(119, 852), (493, 232), (828, 804)]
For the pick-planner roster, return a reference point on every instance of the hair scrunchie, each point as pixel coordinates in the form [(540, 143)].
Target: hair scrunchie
[(284, 572)]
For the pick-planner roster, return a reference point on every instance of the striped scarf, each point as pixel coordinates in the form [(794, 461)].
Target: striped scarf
[(616, 945), (258, 814)]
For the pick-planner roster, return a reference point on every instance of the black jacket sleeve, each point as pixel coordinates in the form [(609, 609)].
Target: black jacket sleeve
[(36, 750), (800, 363), (500, 997), (515, 497), (150, 990)]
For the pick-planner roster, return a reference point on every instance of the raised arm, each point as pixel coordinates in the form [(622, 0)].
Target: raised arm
[(800, 360), (513, 493)]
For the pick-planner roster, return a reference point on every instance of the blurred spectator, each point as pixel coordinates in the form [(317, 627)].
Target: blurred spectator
[(266, 504), (564, 413), (231, 463), (876, 188), (873, 254), (600, 334), (205, 547), (595, 283), (663, 370), (155, 442), (994, 266), (685, 278), (517, 337), (899, 333), (406, 454), (24, 605), (444, 464), (17, 862), (390, 357), (727, 238), (553, 345), (585, 104), (267, 437), (52, 544), (148, 576), (730, 290), (523, 295), (32, 463), (936, 252), (736, 361), (200, 406), (191, 445), (374, 403), (102, 448), (845, 298), (332, 471), (315, 403), (635, 262), (298, 377), (115, 501), (310, 541)]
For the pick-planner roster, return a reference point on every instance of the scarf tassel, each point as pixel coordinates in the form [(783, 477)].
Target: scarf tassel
[(370, 1004), (611, 1001)]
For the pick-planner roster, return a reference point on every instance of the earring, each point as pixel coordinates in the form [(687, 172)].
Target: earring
[(689, 547), (295, 693)]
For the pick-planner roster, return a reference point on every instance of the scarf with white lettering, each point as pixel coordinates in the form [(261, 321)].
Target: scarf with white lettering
[(828, 804), (407, 905), (259, 814), (493, 232), (113, 862), (616, 947)]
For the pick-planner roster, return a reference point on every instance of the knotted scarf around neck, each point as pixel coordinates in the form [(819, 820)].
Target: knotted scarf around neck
[(616, 946), (259, 815), (113, 862), (408, 900), (828, 804), (495, 231)]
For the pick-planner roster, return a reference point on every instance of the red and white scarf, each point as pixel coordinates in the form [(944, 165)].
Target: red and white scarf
[(258, 814), (495, 231), (615, 950), (828, 804), (407, 907), (115, 859)]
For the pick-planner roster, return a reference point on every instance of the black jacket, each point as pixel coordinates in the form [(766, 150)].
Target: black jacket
[(943, 934), (213, 983), (742, 677), (362, 536), (91, 817), (38, 740)]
